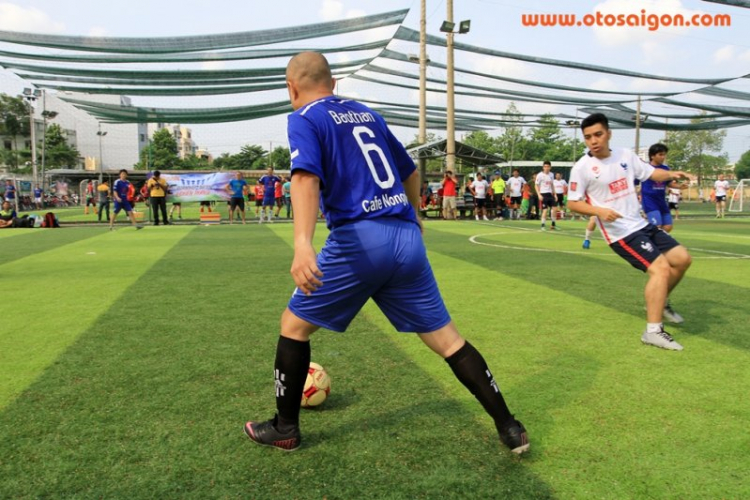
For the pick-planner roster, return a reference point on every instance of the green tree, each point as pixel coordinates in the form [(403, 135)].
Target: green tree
[(248, 156), (547, 142), (14, 122), (742, 168), (481, 140), (511, 143), (194, 163), (689, 150), (164, 151), (433, 164), (58, 153), (225, 162)]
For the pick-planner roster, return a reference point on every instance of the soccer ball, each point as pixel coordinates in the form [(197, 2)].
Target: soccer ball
[(317, 386)]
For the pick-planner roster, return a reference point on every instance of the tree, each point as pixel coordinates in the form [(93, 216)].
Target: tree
[(248, 156), (194, 163), (511, 143), (225, 162), (481, 140), (164, 151), (57, 152), (742, 168), (688, 150), (14, 121)]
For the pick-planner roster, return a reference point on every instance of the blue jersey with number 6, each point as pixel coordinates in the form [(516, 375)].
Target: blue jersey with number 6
[(360, 163)]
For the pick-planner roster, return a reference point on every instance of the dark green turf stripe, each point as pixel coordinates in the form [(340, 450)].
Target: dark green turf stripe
[(150, 401), (39, 240)]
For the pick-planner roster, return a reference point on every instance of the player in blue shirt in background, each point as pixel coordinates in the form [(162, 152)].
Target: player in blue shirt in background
[(653, 193), (120, 193), (345, 158), (237, 188), (269, 194)]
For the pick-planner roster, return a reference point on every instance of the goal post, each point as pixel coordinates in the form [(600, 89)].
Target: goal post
[(740, 201)]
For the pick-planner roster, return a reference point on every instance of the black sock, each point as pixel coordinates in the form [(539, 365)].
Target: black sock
[(290, 373), (471, 369)]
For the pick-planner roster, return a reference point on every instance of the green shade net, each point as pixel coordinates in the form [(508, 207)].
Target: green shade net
[(236, 55), (398, 56), (410, 35), (734, 3), (163, 45)]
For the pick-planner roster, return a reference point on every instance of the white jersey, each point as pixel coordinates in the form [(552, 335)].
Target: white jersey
[(674, 195), (544, 183), (721, 188), (610, 183), (516, 186), (480, 188), (560, 186)]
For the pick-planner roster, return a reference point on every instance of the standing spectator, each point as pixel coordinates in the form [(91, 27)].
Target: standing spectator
[(498, 194), (90, 197), (450, 185), (720, 194), (479, 190), (103, 190), (237, 188), (674, 196), (288, 196), (122, 190), (157, 192), (269, 194), (546, 191), (516, 184), (38, 194), (178, 206), (10, 192), (561, 190), (278, 195), (259, 190)]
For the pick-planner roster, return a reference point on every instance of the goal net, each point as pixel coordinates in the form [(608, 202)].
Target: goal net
[(740, 201)]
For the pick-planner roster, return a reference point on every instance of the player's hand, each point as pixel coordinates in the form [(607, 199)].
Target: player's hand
[(677, 174), (305, 270), (421, 225), (608, 215)]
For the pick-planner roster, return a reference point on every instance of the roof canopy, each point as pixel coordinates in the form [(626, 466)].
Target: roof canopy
[(465, 153)]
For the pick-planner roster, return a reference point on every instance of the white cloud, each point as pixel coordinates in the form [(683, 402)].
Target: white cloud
[(98, 32), (331, 10), (213, 65), (27, 19), (603, 84), (730, 54)]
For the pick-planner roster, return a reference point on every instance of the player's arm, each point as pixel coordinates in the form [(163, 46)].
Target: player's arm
[(411, 188), (661, 175), (305, 199)]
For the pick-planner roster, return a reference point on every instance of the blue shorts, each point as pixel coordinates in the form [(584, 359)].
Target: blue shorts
[(383, 259), (123, 205), (269, 201), (644, 246), (659, 218)]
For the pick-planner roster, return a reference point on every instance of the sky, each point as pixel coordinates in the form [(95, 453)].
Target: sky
[(496, 24)]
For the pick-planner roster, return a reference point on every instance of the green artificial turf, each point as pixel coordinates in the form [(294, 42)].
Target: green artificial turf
[(130, 360)]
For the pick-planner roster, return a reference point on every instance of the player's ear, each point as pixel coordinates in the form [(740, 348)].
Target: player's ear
[(333, 84)]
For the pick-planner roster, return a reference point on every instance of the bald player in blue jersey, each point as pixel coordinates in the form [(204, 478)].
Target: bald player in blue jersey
[(345, 158)]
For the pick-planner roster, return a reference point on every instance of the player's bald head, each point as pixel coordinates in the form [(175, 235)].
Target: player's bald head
[(309, 70)]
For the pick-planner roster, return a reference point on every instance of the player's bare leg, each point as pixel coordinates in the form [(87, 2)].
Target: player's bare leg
[(590, 226), (471, 370), (656, 292)]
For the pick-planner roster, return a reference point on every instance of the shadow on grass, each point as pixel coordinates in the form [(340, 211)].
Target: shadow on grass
[(150, 401), (40, 240), (609, 284)]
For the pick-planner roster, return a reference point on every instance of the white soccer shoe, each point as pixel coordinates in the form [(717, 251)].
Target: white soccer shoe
[(660, 339), (671, 315)]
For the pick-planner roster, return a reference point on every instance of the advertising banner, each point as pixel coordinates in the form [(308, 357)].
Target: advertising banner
[(184, 188)]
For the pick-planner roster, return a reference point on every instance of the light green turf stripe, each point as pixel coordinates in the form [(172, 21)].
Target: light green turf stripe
[(11, 232), (65, 304)]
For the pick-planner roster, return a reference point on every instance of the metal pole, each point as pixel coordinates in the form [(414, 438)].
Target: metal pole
[(33, 143), (422, 137), (638, 126), (450, 144), (44, 133), (101, 158)]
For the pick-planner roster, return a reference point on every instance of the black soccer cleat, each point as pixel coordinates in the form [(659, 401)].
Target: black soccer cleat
[(515, 438), (265, 433)]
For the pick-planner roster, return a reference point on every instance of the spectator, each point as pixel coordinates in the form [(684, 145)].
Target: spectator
[(278, 195), (90, 198), (38, 193), (157, 191), (237, 188), (450, 185), (103, 190), (258, 191), (10, 192), (479, 191), (288, 196), (498, 193)]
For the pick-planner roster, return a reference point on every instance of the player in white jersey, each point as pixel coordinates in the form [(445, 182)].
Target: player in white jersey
[(602, 183), (515, 186), (479, 191), (720, 188), (561, 189), (674, 194), (546, 189)]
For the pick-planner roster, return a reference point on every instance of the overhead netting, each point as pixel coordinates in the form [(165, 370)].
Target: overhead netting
[(163, 74)]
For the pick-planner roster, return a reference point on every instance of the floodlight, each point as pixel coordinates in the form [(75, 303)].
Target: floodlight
[(464, 26), (447, 27)]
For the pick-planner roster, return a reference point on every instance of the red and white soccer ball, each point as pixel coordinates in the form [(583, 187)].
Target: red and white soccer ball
[(317, 386)]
